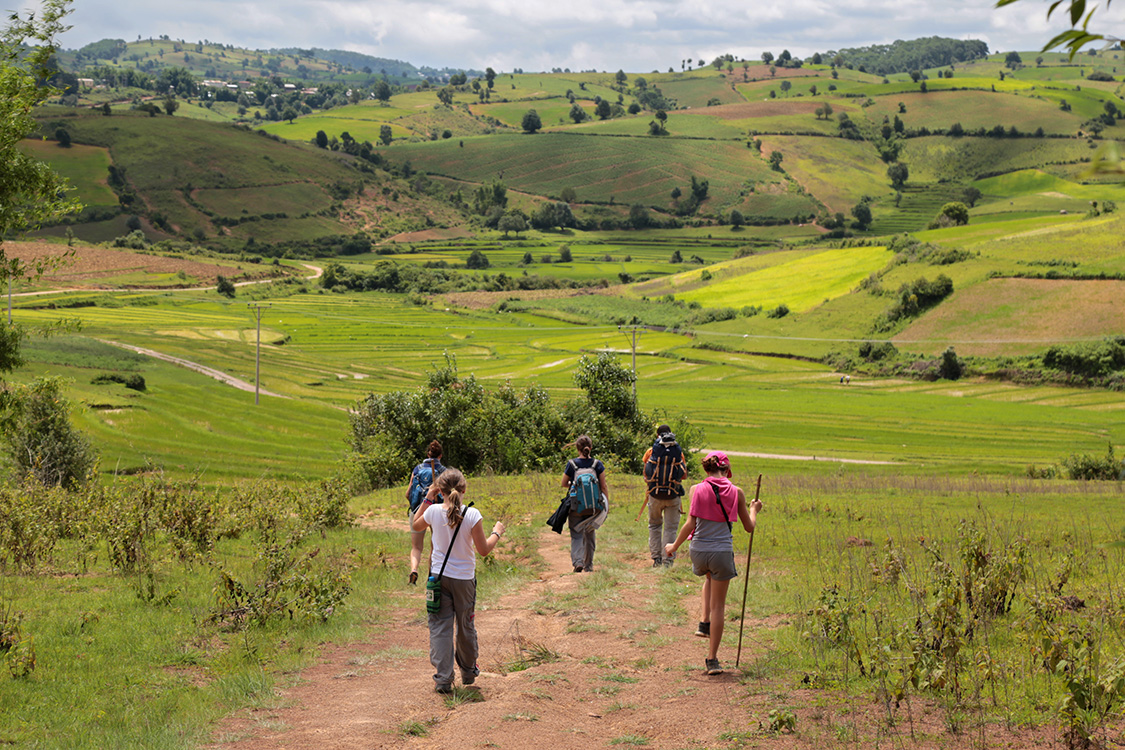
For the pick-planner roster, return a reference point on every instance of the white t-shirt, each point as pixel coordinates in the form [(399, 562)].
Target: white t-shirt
[(463, 558)]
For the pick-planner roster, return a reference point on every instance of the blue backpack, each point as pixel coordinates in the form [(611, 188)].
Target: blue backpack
[(420, 483), (585, 492)]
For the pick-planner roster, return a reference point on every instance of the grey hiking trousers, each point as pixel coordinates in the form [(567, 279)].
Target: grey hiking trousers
[(458, 605), (663, 526)]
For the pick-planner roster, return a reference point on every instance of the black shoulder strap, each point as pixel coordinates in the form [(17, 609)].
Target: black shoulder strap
[(730, 526), (451, 541)]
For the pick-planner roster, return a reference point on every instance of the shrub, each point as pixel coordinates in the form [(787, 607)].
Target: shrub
[(135, 381), (875, 352), (778, 312), (950, 367), (1085, 467), (1090, 360), (40, 439)]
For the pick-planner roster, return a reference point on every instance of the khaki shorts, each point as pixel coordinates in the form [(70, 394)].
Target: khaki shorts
[(719, 564)]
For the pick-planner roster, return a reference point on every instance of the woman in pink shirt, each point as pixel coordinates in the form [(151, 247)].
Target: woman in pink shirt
[(714, 504)]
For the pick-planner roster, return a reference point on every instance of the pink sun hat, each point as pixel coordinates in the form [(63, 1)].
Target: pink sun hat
[(721, 461)]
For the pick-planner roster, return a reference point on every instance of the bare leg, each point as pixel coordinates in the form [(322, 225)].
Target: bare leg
[(718, 613), (705, 609), (417, 541)]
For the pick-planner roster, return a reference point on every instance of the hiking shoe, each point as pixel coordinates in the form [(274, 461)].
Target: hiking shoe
[(446, 689), (413, 577), (656, 563), (703, 630), (577, 568), (713, 667)]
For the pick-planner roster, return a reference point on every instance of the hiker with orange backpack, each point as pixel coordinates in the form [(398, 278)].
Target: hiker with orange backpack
[(664, 470)]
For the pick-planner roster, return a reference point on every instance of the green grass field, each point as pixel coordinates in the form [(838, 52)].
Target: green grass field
[(623, 170), (85, 167)]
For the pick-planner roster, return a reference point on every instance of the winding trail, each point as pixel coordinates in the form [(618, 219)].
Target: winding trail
[(211, 372)]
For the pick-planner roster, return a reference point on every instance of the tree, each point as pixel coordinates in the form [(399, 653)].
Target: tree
[(862, 213), (677, 257), (1013, 60), (289, 114), (171, 105), (321, 139), (785, 86), (639, 217), (445, 95), (775, 160), (385, 134), (512, 221), (41, 440), (824, 110), (899, 174), (971, 195), (736, 218), (30, 193), (477, 260), (620, 77), (662, 116), (568, 195), (577, 113), (951, 367), (565, 255), (956, 212), (767, 57), (531, 121), (225, 287), (382, 92), (62, 135), (603, 110)]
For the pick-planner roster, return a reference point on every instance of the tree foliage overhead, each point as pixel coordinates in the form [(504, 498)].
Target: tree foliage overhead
[(917, 54)]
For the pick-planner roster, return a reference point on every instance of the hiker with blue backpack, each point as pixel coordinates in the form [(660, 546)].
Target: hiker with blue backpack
[(715, 502), (421, 479), (664, 471), (584, 477)]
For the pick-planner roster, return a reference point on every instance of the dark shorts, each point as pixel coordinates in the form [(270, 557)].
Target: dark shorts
[(719, 564)]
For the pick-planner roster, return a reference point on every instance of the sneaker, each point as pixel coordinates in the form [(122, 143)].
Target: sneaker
[(468, 678), (655, 563), (713, 667), (446, 689), (667, 562), (703, 630), (413, 577), (577, 568)]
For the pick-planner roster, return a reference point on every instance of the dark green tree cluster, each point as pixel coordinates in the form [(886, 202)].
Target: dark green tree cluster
[(1088, 360), (507, 430), (916, 54), (913, 299)]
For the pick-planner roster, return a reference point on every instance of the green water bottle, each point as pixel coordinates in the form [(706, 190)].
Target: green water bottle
[(433, 594)]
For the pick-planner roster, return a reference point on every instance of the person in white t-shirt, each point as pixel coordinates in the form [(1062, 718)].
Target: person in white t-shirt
[(458, 580)]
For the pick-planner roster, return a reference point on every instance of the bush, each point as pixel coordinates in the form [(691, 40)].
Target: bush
[(40, 439), (1084, 467), (135, 381), (1091, 360), (875, 352), (778, 312), (950, 367)]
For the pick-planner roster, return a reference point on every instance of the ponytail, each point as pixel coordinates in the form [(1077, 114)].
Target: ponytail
[(453, 515), (585, 445), (451, 484)]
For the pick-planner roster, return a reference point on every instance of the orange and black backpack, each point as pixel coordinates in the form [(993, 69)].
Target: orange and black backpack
[(664, 470)]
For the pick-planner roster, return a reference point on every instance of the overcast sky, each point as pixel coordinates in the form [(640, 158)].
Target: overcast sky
[(635, 35)]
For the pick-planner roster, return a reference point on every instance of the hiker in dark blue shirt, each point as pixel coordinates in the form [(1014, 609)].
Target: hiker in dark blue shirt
[(584, 472), (420, 480)]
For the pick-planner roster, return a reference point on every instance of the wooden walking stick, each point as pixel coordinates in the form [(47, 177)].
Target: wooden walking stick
[(746, 583)]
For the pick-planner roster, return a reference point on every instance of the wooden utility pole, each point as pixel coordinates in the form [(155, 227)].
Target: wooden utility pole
[(257, 350), (635, 329)]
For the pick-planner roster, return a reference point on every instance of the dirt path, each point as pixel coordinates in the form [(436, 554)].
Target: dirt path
[(623, 671), (210, 372)]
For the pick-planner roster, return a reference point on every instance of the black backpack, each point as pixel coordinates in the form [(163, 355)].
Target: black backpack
[(664, 469)]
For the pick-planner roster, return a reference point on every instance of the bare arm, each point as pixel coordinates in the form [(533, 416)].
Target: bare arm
[(486, 544), (685, 532), (748, 516), (566, 481), (602, 484)]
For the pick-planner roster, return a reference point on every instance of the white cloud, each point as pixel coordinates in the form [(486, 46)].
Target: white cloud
[(636, 35)]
